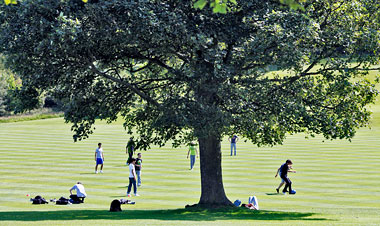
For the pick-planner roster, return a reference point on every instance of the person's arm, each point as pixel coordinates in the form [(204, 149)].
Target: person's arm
[(71, 190), (188, 153), (196, 150), (277, 172), (229, 139), (102, 156), (237, 139), (95, 156), (134, 172)]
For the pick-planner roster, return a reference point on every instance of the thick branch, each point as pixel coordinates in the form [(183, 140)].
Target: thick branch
[(130, 86)]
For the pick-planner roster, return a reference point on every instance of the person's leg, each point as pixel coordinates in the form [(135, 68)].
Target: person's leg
[(130, 154), (101, 168), (192, 161), (96, 168), (287, 184), (232, 146), (134, 186), (138, 173), (130, 186), (235, 149), (280, 185)]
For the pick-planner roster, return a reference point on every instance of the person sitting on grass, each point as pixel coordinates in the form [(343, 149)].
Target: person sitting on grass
[(80, 193)]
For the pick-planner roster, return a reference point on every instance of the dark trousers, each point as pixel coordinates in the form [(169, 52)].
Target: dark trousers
[(132, 181), (288, 183), (130, 154), (77, 199)]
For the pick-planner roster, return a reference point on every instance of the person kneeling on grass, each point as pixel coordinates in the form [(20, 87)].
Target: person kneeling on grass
[(284, 169), (132, 178), (80, 193)]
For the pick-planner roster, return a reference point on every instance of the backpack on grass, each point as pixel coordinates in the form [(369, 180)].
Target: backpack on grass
[(62, 201), (39, 200)]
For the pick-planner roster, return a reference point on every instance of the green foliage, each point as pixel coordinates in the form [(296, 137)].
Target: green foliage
[(222, 6), (174, 72)]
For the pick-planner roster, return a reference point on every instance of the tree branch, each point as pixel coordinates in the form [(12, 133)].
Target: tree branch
[(130, 86)]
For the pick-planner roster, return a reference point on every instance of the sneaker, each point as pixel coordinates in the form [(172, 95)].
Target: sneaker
[(101, 171), (128, 195), (292, 192), (137, 194), (139, 185), (96, 172), (278, 190), (284, 193)]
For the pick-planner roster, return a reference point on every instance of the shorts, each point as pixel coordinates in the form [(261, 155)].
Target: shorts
[(99, 161), (282, 180)]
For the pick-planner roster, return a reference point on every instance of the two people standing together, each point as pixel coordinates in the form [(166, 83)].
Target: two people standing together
[(135, 165)]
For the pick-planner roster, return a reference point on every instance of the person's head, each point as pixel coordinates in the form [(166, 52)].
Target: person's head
[(79, 182), (132, 160), (289, 162), (139, 155), (192, 143), (99, 144)]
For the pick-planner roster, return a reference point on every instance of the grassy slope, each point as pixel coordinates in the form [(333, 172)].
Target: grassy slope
[(336, 182)]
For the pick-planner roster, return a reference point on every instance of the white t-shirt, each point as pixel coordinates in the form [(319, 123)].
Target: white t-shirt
[(99, 152), (131, 171), (79, 188)]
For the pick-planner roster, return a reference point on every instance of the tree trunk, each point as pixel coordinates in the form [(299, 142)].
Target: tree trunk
[(213, 194)]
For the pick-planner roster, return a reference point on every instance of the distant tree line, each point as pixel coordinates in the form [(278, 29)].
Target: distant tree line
[(15, 99)]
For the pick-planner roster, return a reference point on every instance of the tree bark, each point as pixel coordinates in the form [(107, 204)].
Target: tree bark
[(213, 194)]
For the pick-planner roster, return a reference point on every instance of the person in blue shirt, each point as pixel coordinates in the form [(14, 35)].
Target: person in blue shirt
[(233, 140)]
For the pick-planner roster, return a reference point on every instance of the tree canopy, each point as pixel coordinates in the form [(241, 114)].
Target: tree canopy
[(177, 73)]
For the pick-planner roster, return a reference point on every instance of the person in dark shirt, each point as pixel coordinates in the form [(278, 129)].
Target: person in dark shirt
[(284, 169), (138, 167), (130, 149)]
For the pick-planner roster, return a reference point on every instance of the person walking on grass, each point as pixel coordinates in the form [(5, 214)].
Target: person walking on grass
[(99, 158), (132, 178), (283, 170), (138, 167), (193, 152), (130, 149), (233, 140)]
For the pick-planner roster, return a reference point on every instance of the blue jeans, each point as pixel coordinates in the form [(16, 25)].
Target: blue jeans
[(138, 173), (233, 146), (192, 161), (132, 181)]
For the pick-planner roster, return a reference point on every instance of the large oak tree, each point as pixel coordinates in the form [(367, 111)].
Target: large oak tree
[(177, 73)]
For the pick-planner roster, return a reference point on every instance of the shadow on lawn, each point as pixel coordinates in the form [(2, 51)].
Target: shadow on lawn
[(175, 214)]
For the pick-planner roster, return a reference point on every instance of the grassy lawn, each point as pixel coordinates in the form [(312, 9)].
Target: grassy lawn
[(337, 182)]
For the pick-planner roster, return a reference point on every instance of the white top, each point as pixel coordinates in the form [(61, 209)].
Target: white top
[(79, 188), (132, 171), (99, 152)]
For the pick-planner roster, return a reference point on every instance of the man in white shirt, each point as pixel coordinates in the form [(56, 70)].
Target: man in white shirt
[(80, 193), (99, 158)]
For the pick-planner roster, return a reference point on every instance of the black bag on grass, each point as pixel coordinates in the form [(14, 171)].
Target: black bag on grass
[(62, 201), (39, 200)]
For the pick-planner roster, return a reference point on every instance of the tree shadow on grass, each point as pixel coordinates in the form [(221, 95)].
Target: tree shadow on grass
[(170, 215)]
